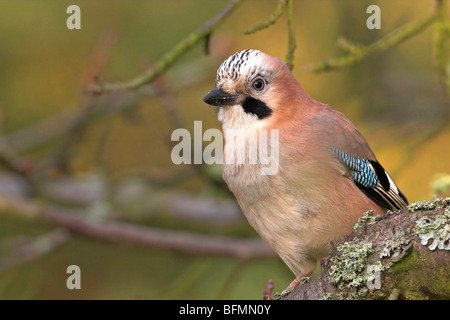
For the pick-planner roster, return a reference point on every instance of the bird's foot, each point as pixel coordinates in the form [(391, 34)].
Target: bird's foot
[(300, 279), (325, 261), (268, 290)]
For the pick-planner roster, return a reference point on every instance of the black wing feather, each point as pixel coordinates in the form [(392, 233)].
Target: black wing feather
[(371, 178)]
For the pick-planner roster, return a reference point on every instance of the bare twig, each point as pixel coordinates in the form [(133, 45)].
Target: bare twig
[(359, 52), (172, 56), (99, 56), (270, 21), (292, 44), (283, 5)]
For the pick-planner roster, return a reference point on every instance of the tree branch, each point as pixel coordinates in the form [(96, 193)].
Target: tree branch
[(270, 21), (283, 5), (359, 52), (172, 56), (292, 44), (186, 242), (401, 255)]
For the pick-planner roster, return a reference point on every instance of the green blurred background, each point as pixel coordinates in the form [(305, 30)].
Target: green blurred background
[(394, 98)]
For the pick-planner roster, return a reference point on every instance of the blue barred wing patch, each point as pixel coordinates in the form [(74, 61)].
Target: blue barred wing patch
[(361, 170), (371, 178)]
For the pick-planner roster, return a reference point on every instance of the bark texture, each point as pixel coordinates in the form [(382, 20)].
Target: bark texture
[(401, 255)]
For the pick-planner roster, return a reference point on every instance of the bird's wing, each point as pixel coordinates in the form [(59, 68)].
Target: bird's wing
[(373, 180)]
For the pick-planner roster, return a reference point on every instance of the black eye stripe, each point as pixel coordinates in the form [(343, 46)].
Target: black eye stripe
[(256, 107)]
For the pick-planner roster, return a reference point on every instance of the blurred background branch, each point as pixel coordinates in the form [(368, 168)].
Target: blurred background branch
[(22, 250), (270, 21), (172, 56), (355, 53), (125, 232)]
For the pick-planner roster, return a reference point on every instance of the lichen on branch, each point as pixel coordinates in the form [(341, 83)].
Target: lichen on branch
[(401, 255)]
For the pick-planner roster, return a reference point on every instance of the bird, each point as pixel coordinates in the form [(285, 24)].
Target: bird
[(327, 175)]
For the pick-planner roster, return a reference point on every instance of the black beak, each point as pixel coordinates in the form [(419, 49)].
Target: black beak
[(219, 98)]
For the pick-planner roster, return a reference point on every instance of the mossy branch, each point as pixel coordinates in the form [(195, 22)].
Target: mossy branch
[(356, 52), (370, 263), (170, 57)]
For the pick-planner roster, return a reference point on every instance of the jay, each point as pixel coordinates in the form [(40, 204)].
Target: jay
[(327, 176)]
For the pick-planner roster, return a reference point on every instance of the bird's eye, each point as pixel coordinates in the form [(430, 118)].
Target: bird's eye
[(258, 84)]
